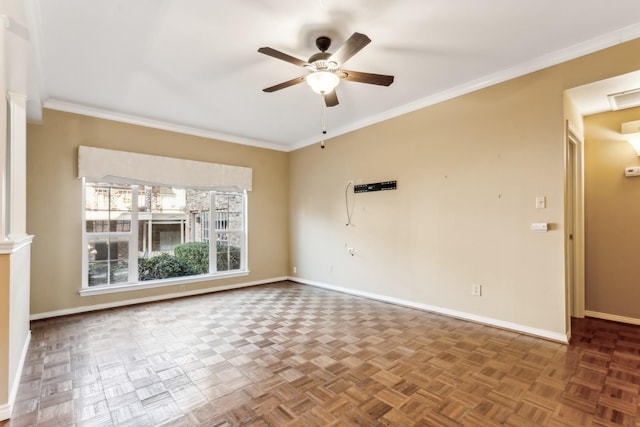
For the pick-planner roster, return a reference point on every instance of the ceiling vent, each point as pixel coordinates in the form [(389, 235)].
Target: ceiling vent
[(626, 99)]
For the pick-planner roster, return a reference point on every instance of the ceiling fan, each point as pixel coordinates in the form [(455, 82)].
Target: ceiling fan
[(324, 68)]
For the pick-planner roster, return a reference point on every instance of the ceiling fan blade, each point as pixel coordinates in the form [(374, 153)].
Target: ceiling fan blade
[(331, 99), (284, 84), (374, 79), (283, 56), (352, 46)]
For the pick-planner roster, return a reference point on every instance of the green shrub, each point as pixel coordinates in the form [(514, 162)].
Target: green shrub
[(189, 259), (98, 273), (195, 256), (162, 266)]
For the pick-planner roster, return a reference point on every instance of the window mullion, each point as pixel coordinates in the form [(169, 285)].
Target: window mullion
[(244, 264), (85, 239), (109, 194), (213, 234)]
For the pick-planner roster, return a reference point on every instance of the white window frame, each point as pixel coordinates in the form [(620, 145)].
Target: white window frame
[(133, 283), (213, 233), (205, 226)]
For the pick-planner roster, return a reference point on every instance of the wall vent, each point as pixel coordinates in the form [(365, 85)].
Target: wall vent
[(626, 99)]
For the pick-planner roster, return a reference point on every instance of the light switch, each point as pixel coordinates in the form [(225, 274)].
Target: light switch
[(541, 202)]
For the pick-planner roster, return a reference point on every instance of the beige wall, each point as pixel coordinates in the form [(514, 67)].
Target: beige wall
[(612, 204), (468, 173), (54, 202)]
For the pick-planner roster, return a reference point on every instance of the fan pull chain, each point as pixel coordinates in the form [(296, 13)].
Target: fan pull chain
[(324, 123)]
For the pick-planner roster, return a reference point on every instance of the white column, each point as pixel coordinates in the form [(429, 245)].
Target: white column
[(17, 166), (4, 185), (15, 245)]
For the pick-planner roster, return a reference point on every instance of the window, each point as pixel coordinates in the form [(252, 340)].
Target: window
[(137, 234), (229, 210), (204, 237), (108, 209)]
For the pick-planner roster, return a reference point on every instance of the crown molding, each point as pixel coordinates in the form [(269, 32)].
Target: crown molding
[(70, 107), (590, 46), (593, 45)]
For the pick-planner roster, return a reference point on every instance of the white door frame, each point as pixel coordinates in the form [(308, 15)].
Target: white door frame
[(574, 225)]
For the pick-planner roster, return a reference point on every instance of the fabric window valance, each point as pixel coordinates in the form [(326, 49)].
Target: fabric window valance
[(113, 165)]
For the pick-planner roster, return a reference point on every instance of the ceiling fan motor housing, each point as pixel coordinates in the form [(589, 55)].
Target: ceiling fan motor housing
[(320, 62)]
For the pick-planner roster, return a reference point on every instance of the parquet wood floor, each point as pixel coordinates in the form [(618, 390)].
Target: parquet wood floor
[(292, 355)]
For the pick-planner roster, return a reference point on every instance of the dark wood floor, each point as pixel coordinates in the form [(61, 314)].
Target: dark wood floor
[(293, 355)]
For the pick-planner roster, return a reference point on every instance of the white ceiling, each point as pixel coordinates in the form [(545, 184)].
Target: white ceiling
[(193, 66)]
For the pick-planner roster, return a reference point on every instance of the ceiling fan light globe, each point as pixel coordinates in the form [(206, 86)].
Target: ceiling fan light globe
[(322, 82)]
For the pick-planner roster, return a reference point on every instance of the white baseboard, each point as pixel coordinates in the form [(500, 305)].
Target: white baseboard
[(541, 333), (86, 308), (614, 317), (7, 409), (554, 336)]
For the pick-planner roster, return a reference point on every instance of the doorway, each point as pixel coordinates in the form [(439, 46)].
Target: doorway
[(574, 226)]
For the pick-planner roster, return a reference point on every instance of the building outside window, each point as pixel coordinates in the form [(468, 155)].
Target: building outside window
[(229, 209)]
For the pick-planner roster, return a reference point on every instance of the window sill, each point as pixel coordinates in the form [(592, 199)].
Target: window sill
[(112, 289)]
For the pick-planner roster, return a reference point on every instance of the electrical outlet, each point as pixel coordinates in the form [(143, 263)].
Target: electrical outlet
[(476, 290), (295, 270)]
